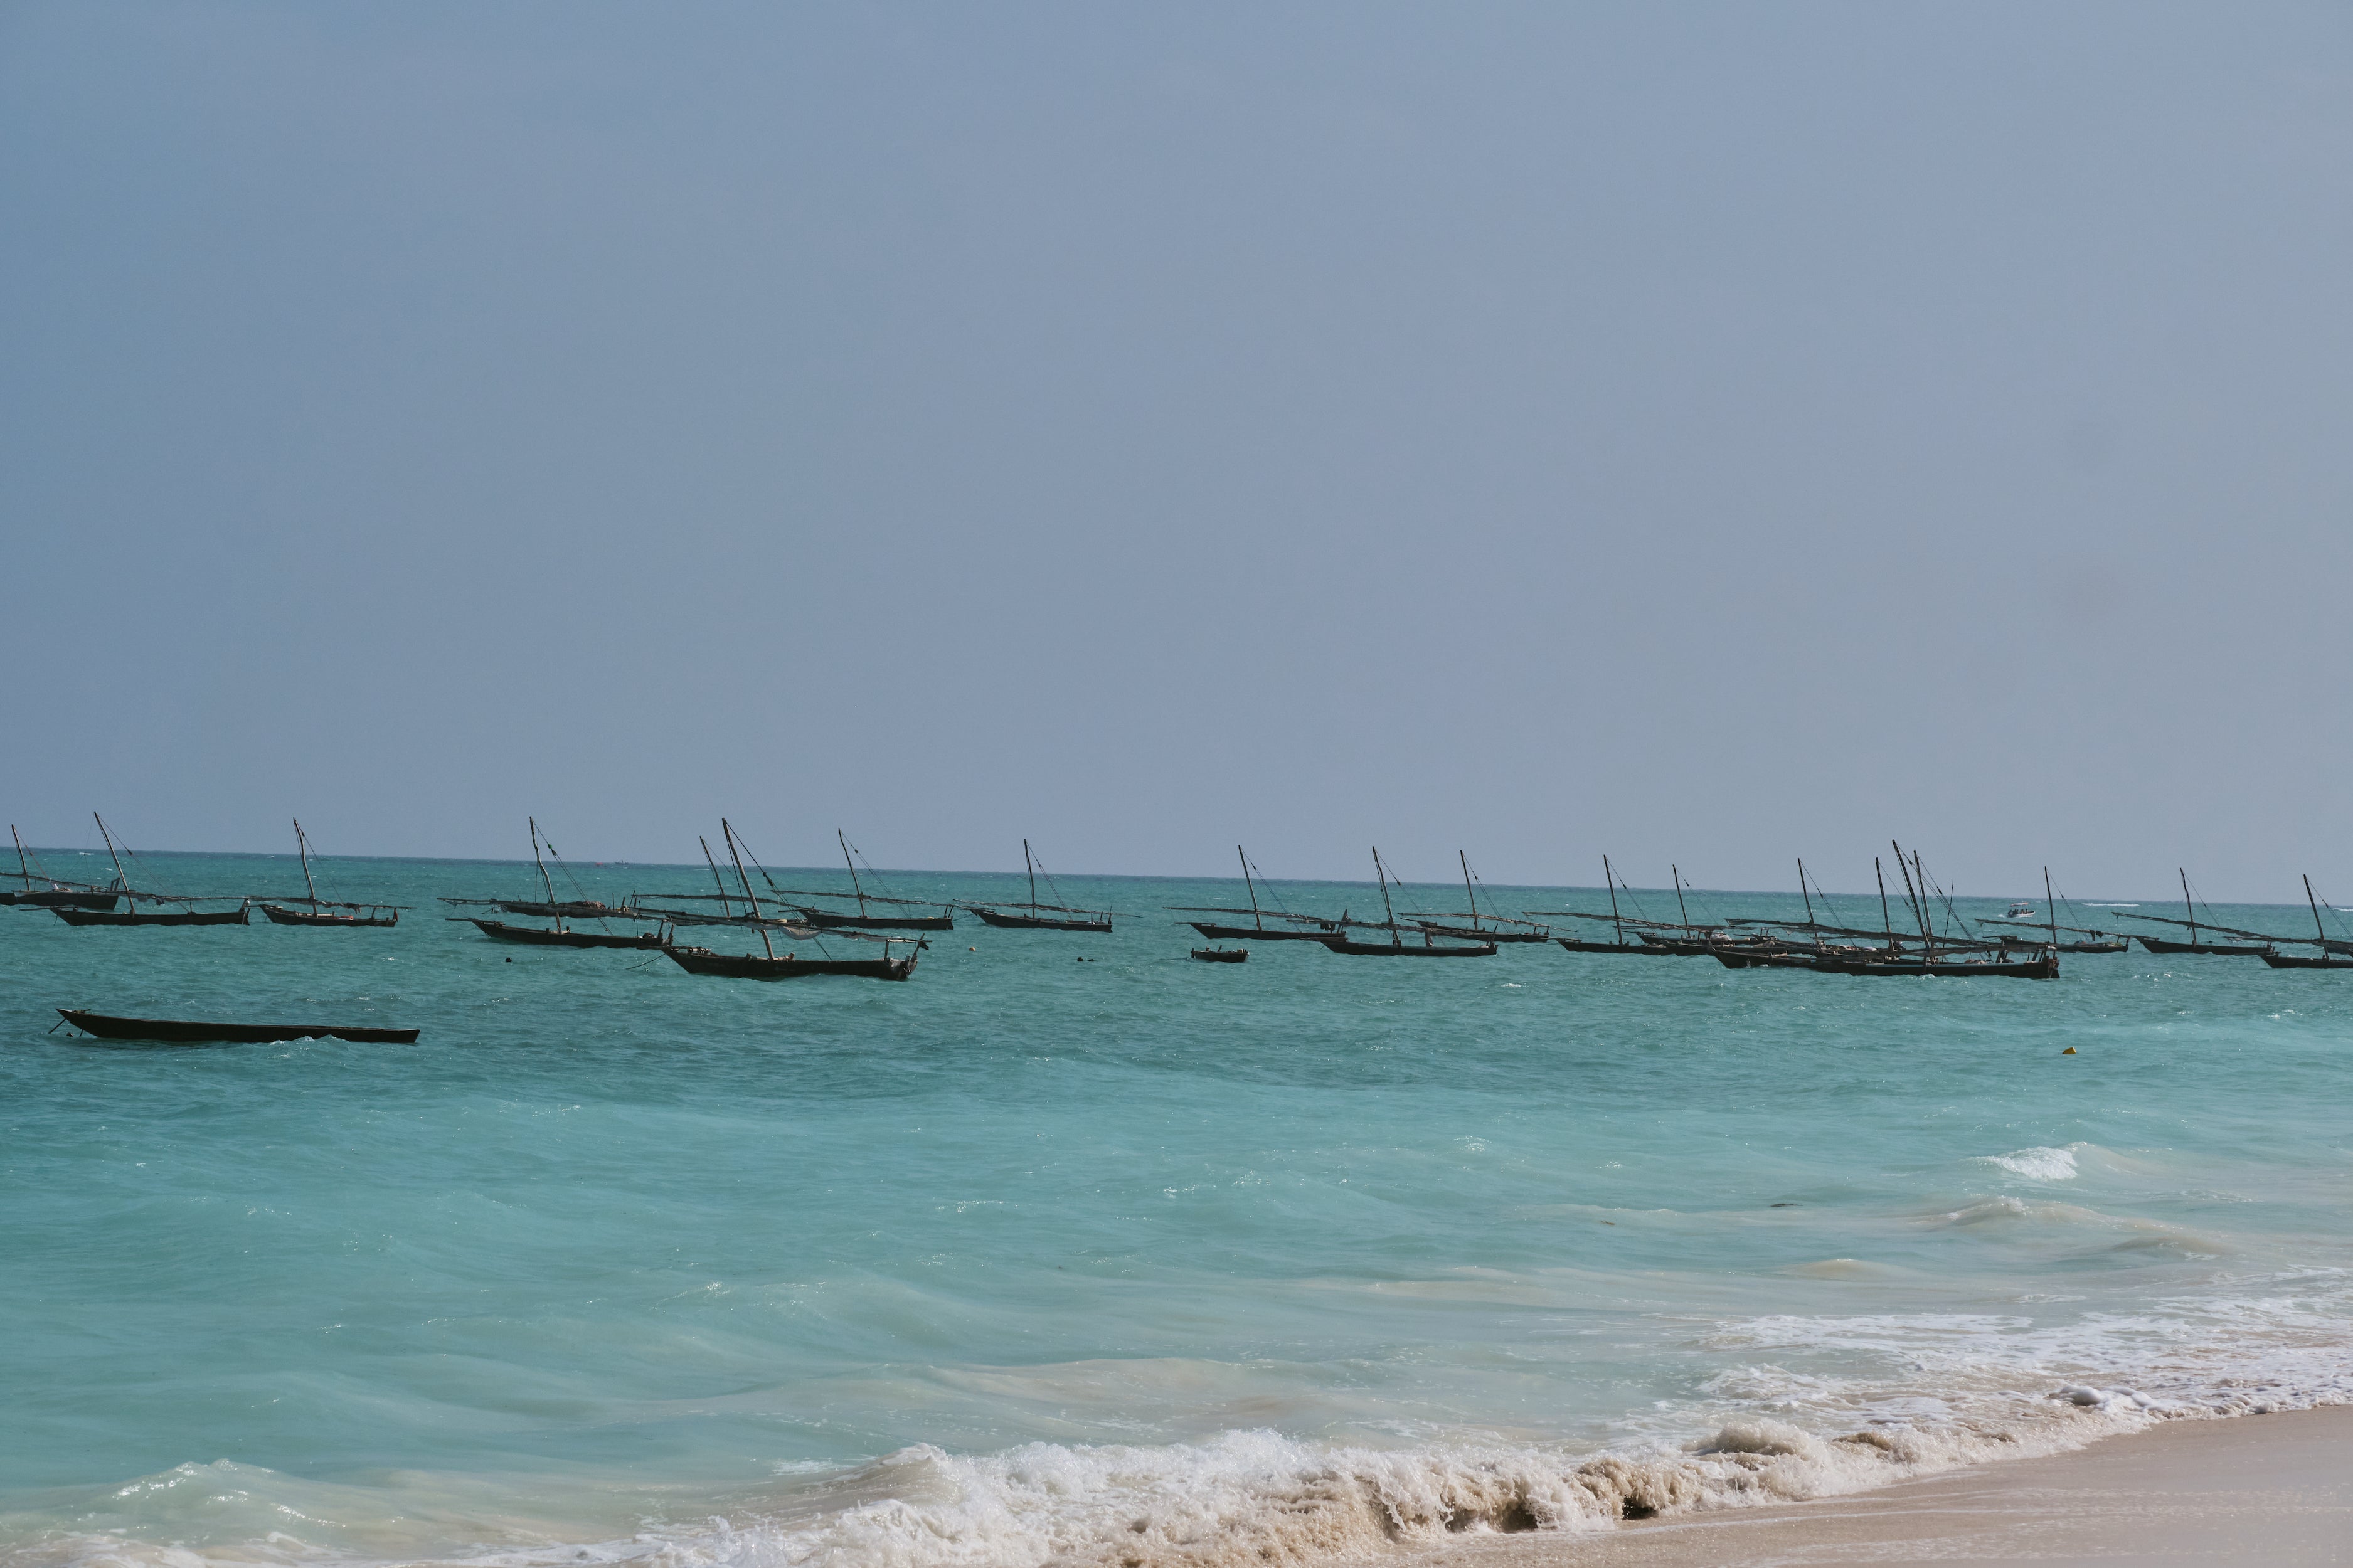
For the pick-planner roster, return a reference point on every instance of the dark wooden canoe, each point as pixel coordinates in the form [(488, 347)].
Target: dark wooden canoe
[(179, 1032), (1216, 932), (132, 917), (1483, 933), (2287, 961), (1221, 954), (1762, 958), (570, 909), (320, 918), (1038, 923), (2211, 949), (2043, 968), (1638, 950), (1347, 948), (758, 967), (826, 919), (60, 899), (2115, 945), (499, 931)]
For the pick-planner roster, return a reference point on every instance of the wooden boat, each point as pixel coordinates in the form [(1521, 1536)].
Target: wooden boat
[(174, 1031), (1396, 946), (2043, 968), (55, 894), (2208, 949), (1057, 917), (1221, 954), (241, 915), (2287, 961), (59, 899), (569, 909), (786, 966), (538, 936), (361, 915), (1621, 947), (1482, 927), (865, 918), (1288, 927), (1635, 949)]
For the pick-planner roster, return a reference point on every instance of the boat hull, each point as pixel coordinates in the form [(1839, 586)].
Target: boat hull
[(1216, 932), (758, 967), (73, 916), (826, 920), (2208, 949), (1039, 922), (1221, 954), (573, 910), (284, 917), (181, 1031), (1624, 949), (532, 936), (2288, 961), (1347, 948), (1473, 933), (2044, 968), (60, 899)]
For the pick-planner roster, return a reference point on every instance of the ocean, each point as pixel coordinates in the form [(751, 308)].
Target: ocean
[(1127, 1261)]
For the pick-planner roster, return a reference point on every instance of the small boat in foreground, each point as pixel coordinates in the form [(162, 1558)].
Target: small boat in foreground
[(241, 915), (181, 1031), (1221, 954)]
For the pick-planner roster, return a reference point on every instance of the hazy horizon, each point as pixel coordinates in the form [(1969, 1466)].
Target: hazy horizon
[(1708, 435)]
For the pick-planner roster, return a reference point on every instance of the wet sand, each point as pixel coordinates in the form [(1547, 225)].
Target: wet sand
[(2257, 1488)]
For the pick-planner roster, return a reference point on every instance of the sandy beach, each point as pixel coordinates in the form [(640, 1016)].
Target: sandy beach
[(2257, 1488)]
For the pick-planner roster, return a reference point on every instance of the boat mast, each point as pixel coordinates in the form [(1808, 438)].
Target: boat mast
[(2316, 916), (22, 875), (1257, 919), (1381, 874), (544, 879), (1468, 889), (2050, 909), (2185, 904), (1030, 861), (1801, 891), (121, 880), (1609, 880), (853, 873), (1677, 873), (724, 895), (1922, 873), (1919, 910), (1886, 921), (749, 897), (304, 849)]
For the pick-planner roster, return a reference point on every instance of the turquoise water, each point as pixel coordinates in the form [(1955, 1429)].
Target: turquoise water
[(1129, 1260)]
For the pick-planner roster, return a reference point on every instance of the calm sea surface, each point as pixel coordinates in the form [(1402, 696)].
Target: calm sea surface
[(1130, 1260)]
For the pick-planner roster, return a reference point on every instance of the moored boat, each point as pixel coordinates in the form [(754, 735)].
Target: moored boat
[(540, 936), (241, 915), (1396, 946), (176, 1031), (1037, 916), (319, 912), (1221, 954), (786, 965)]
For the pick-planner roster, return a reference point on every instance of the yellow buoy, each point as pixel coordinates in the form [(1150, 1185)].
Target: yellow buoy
[(2068, 1052)]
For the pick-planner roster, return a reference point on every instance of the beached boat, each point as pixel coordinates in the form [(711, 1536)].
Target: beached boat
[(1396, 946), (1221, 954), (1287, 926), (318, 909), (182, 1032), (1041, 917)]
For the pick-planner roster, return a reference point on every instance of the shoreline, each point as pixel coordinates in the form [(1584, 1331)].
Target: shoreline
[(2274, 1488)]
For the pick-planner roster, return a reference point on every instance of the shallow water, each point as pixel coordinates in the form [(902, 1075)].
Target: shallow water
[(1131, 1260)]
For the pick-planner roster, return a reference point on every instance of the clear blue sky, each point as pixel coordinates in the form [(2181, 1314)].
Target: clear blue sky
[(1703, 432)]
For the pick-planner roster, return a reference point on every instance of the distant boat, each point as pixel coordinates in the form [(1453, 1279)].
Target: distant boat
[(74, 915), (865, 918), (537, 936), (1482, 928), (772, 965), (316, 914), (1288, 927), (2255, 948), (1396, 947), (1621, 947), (178, 1032), (1221, 954), (54, 894), (1042, 917), (2020, 909), (2283, 961)]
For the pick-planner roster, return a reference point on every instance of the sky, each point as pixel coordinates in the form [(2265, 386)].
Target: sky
[(1705, 433)]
